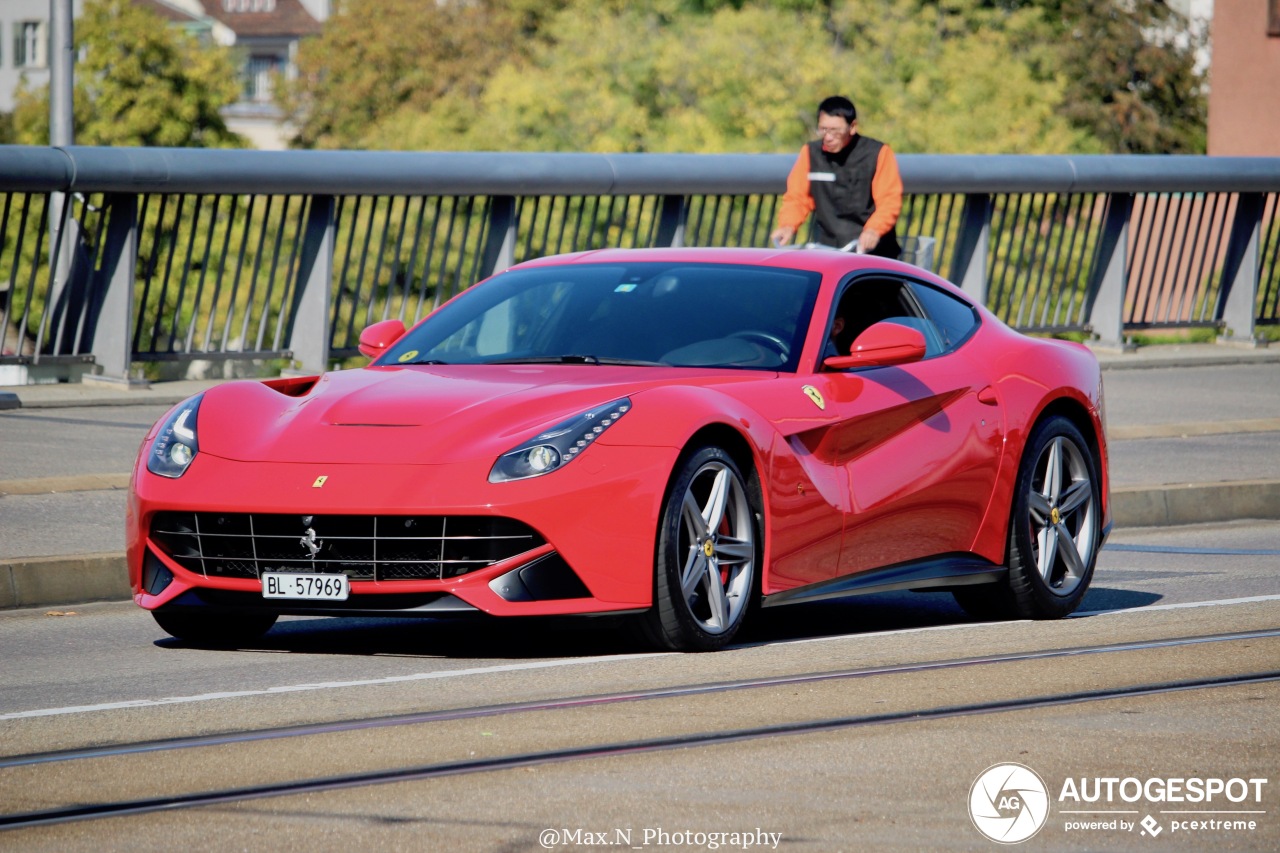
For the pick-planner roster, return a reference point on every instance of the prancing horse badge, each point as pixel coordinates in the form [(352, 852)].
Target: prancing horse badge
[(815, 395)]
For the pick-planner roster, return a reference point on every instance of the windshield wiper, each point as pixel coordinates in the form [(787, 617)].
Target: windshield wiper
[(575, 359)]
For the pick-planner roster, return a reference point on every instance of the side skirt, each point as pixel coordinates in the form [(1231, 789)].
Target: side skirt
[(933, 573)]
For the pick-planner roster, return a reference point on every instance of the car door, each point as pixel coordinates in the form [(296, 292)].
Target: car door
[(920, 443)]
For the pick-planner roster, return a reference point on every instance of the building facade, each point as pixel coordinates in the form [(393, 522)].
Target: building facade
[(265, 34), (1244, 78)]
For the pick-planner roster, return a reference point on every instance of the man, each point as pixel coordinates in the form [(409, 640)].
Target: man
[(850, 182)]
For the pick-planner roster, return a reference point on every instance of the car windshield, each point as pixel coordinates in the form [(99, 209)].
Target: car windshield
[(671, 314)]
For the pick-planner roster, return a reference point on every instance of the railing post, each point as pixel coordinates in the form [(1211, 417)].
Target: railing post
[(1109, 277), (1240, 273), (308, 334), (108, 327), (671, 221), (500, 244), (969, 260)]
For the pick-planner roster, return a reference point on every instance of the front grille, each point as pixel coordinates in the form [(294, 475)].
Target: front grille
[(363, 547)]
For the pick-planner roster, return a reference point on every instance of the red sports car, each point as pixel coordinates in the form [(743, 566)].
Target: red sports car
[(674, 434)]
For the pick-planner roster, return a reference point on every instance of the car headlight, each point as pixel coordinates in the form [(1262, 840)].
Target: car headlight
[(555, 448), (175, 444)]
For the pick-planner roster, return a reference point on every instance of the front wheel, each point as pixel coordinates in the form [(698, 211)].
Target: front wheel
[(708, 551), (214, 629)]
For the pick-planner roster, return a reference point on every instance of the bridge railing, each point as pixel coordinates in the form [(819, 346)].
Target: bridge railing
[(122, 256)]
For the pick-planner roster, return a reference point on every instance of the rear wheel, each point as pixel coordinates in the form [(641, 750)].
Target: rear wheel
[(1055, 530), (215, 629), (708, 550)]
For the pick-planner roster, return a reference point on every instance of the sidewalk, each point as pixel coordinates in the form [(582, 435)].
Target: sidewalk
[(1193, 430)]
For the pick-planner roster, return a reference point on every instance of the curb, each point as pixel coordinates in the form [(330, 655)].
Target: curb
[(45, 581), (1194, 503), (60, 581)]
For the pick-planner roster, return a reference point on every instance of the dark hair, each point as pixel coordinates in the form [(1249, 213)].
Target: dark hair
[(839, 105)]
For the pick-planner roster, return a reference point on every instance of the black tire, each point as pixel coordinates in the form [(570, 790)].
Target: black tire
[(1055, 530), (688, 614), (223, 629)]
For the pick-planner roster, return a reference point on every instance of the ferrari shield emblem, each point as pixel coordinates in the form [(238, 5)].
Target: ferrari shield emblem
[(319, 481), (815, 395)]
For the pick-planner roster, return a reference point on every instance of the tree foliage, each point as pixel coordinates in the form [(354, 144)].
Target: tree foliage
[(139, 81), (940, 76), (376, 57)]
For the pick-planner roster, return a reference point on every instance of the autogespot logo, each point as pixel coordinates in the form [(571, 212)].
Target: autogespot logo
[(1008, 803)]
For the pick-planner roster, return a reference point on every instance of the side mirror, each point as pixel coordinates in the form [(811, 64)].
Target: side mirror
[(375, 339), (882, 345)]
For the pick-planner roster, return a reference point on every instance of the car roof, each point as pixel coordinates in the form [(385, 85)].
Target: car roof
[(817, 260)]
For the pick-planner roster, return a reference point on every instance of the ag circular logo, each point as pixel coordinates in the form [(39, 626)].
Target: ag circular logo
[(1008, 803)]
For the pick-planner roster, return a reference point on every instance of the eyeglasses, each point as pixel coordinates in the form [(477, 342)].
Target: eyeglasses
[(831, 131)]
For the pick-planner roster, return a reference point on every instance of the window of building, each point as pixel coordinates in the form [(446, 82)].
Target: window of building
[(249, 5), (258, 73), (30, 47)]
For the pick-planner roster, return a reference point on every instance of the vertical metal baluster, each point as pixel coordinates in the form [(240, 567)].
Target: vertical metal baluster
[(148, 268), (1057, 236), (406, 292), (442, 291), (1000, 207), (1188, 286), (1269, 281), (257, 272), (303, 205), (94, 255), (357, 293), (222, 258), (265, 317), (1213, 293), (42, 227), (51, 310), (1142, 296), (175, 334), (379, 258), (478, 254), (1073, 267), (1027, 228), (239, 272), (1182, 284), (1162, 271), (13, 271), (347, 296), (1192, 293), (158, 320), (438, 204), (188, 342)]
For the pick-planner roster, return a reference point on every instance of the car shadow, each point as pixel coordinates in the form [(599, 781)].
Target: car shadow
[(561, 637)]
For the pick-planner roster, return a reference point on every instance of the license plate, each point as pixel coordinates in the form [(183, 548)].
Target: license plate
[(312, 587)]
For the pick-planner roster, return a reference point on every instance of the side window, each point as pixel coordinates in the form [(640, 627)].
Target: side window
[(869, 300), (953, 318)]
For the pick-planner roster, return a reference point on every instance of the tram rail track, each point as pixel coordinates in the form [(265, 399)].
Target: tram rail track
[(454, 768), (250, 735), (920, 712)]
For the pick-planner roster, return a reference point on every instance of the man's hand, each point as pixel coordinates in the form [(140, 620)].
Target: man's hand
[(868, 241), (782, 235)]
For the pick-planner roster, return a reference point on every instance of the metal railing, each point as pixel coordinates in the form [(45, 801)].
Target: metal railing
[(121, 256)]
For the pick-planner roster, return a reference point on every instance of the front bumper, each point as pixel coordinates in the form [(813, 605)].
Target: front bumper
[(597, 519)]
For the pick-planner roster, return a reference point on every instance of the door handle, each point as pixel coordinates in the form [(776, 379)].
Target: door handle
[(988, 396)]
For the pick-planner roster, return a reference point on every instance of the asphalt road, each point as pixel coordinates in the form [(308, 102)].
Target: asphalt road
[(863, 724), (856, 724)]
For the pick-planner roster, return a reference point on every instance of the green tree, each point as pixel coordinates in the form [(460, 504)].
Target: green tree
[(955, 78), (1130, 71), (139, 82), (376, 57)]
